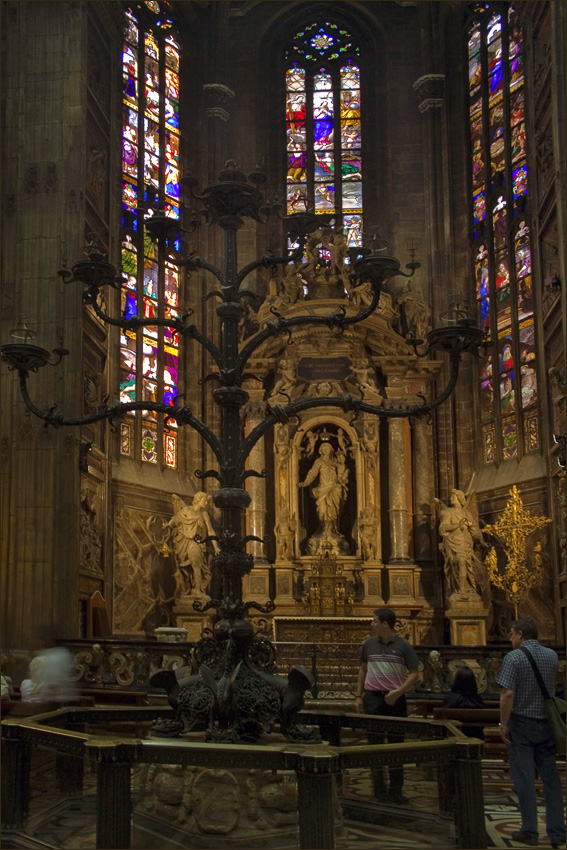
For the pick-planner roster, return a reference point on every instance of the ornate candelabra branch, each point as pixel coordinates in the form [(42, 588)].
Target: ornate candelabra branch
[(234, 684)]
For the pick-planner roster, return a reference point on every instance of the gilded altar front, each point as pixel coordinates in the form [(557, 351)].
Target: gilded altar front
[(353, 489)]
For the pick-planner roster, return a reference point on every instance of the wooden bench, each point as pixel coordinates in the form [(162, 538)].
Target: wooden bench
[(483, 722), (425, 706), (115, 696)]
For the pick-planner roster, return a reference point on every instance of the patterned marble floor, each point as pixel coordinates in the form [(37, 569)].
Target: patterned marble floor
[(57, 822)]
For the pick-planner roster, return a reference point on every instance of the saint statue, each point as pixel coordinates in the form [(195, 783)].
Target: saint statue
[(330, 471), (285, 532), (415, 315), (367, 532), (190, 521), (460, 532)]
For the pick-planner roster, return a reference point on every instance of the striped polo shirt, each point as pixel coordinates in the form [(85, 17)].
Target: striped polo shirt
[(387, 663)]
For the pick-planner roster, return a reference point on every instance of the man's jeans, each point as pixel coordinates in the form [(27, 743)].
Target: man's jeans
[(374, 703), (532, 746)]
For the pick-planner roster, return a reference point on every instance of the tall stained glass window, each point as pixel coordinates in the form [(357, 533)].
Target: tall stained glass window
[(150, 181), (324, 156), (501, 235)]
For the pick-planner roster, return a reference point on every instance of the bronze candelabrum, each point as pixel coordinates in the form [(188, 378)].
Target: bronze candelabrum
[(235, 694)]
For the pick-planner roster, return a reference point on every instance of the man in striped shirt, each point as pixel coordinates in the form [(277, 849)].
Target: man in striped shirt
[(388, 669), (524, 727)]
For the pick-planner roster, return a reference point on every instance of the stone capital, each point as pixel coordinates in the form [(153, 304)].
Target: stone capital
[(217, 98), (431, 91)]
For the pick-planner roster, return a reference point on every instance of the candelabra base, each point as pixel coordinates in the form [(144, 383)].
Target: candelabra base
[(234, 695)]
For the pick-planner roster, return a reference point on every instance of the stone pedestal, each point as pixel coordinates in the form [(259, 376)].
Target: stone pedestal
[(401, 581), (190, 620), (372, 578), (256, 585), (468, 622), (284, 583)]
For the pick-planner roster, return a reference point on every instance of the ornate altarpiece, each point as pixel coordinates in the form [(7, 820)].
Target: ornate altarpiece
[(382, 551)]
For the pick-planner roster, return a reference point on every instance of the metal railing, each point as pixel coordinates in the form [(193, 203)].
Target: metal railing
[(316, 767)]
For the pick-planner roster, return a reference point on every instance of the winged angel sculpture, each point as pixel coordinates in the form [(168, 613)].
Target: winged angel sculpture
[(461, 538)]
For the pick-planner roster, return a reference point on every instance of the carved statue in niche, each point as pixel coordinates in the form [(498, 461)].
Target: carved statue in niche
[(326, 271), (283, 293), (311, 440), (286, 383), (460, 533), (193, 574), (285, 533), (367, 533), (330, 474), (291, 287), (365, 381), (415, 315), (361, 295)]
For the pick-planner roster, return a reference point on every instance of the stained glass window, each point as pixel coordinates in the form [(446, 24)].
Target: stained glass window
[(324, 155), (501, 235), (150, 180)]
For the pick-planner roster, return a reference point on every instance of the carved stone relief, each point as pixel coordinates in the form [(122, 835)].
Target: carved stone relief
[(144, 581), (97, 171), (234, 805), (90, 536)]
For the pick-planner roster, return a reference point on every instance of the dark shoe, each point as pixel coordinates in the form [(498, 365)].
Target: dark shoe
[(397, 798), (557, 846), (525, 838)]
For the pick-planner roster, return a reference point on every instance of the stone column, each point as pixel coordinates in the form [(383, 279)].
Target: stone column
[(422, 490), (430, 91), (41, 476), (256, 585), (255, 411), (399, 542)]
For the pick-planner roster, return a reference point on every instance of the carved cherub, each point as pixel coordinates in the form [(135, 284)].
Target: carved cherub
[(311, 440)]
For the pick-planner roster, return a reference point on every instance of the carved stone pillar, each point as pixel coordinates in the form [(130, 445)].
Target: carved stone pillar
[(399, 537), (370, 491), (422, 490), (256, 585), (255, 411)]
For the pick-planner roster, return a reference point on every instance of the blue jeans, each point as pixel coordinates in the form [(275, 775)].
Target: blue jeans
[(532, 746)]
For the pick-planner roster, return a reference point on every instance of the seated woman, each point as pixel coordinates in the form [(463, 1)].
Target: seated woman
[(464, 694), (31, 688)]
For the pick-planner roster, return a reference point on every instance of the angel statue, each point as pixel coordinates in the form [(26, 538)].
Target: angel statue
[(190, 521), (459, 530)]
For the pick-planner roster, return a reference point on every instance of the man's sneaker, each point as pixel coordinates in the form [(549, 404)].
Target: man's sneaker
[(557, 845), (525, 838)]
